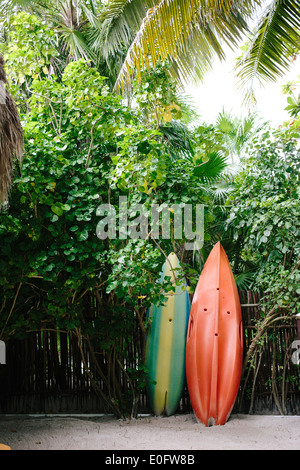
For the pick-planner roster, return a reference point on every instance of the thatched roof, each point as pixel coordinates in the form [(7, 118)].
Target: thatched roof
[(11, 136)]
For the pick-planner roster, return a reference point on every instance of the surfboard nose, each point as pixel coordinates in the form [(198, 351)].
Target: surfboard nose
[(4, 447)]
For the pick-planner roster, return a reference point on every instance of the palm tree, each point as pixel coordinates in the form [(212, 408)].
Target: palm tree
[(192, 34), (132, 34), (189, 33), (11, 136)]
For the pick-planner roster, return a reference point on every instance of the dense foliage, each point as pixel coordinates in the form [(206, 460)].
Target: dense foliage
[(85, 147), (264, 217)]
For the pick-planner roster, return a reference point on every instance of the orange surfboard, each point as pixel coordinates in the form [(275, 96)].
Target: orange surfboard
[(214, 347), (4, 447)]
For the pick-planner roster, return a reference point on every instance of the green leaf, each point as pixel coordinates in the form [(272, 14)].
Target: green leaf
[(57, 210), (83, 236)]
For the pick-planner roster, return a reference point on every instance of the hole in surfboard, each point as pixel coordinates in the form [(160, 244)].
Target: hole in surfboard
[(170, 319), (205, 309)]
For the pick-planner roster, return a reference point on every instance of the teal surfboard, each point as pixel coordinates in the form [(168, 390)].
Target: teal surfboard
[(166, 339)]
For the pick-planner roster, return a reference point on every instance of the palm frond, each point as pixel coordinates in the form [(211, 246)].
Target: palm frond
[(120, 21), (178, 139), (273, 44), (226, 123), (213, 168), (20, 3), (73, 22), (221, 191), (189, 110), (74, 41), (188, 33), (244, 280), (237, 132)]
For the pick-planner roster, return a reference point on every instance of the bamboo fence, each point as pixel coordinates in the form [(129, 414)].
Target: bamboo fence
[(45, 372)]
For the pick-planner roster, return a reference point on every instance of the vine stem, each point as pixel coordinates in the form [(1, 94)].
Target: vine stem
[(269, 320), (160, 248), (95, 386), (11, 310), (254, 342), (256, 369)]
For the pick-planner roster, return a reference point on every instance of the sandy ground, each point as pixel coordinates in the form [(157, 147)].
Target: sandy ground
[(179, 432)]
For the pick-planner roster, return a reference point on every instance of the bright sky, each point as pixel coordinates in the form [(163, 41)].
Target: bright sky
[(219, 90)]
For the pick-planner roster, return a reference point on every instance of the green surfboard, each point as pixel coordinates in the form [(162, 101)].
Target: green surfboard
[(166, 339)]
